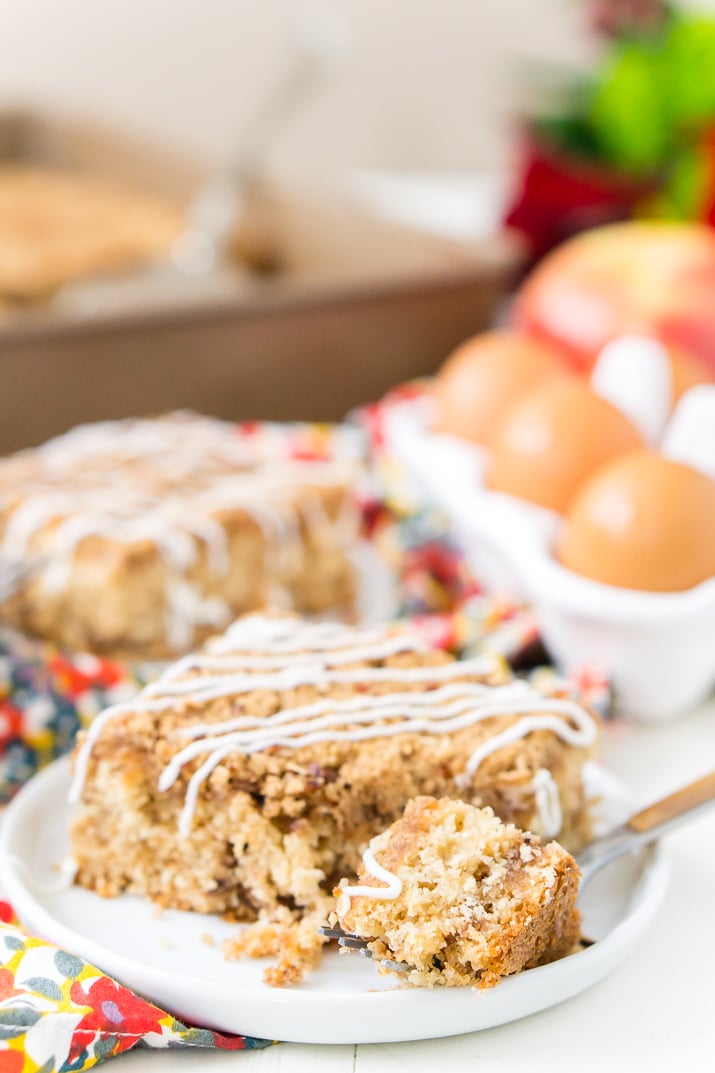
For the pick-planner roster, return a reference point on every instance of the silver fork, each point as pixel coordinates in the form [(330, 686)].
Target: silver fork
[(642, 829), (648, 825), (352, 942)]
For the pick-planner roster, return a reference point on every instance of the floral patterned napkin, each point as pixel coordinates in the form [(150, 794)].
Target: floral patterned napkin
[(59, 1013)]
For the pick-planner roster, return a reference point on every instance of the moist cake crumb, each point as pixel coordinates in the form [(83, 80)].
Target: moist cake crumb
[(461, 897)]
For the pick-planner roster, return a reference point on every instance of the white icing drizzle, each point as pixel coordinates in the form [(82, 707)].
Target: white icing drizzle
[(373, 868), (215, 540), (165, 481), (203, 688), (186, 608), (387, 705), (175, 444), (548, 803), (583, 734), (449, 704), (317, 731), (149, 701), (316, 517), (257, 632), (392, 646), (366, 722)]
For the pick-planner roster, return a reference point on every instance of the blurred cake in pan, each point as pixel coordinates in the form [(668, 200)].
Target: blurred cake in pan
[(149, 535), (57, 226)]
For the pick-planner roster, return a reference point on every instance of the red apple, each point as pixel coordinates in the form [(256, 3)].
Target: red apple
[(652, 278)]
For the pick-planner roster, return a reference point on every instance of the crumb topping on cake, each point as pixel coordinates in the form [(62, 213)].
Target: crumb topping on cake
[(315, 655)]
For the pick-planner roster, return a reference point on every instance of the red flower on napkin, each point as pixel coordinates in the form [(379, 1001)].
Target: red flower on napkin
[(7, 988), (84, 672), (11, 721), (112, 1005)]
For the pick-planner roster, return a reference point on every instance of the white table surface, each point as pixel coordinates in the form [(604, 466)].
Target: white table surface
[(656, 1013)]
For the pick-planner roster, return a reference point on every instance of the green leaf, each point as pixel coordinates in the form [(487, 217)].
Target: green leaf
[(689, 72), (567, 134), (685, 192), (627, 112), (42, 985), (68, 964), (17, 1020)]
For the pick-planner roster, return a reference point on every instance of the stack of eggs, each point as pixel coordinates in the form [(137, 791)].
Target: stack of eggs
[(605, 453)]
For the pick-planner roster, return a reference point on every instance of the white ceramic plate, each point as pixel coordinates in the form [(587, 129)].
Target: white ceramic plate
[(170, 958)]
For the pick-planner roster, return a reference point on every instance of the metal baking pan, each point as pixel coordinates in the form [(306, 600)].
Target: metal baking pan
[(354, 305)]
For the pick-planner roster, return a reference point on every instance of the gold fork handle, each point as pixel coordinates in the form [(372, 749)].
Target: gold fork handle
[(670, 808), (647, 825)]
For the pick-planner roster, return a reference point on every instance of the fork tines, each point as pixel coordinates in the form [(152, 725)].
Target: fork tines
[(349, 942), (353, 942)]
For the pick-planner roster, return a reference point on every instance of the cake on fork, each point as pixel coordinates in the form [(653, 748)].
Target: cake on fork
[(152, 534), (449, 895), (248, 779)]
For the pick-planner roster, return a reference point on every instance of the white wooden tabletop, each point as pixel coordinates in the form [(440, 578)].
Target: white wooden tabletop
[(654, 1013)]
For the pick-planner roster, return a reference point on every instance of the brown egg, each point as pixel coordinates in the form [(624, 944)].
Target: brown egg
[(550, 442), (642, 522), (687, 371), (485, 376)]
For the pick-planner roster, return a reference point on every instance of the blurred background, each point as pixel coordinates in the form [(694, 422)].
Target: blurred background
[(284, 211), (484, 232), (422, 85)]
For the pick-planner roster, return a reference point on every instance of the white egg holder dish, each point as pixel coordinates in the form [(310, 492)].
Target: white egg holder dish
[(657, 648)]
